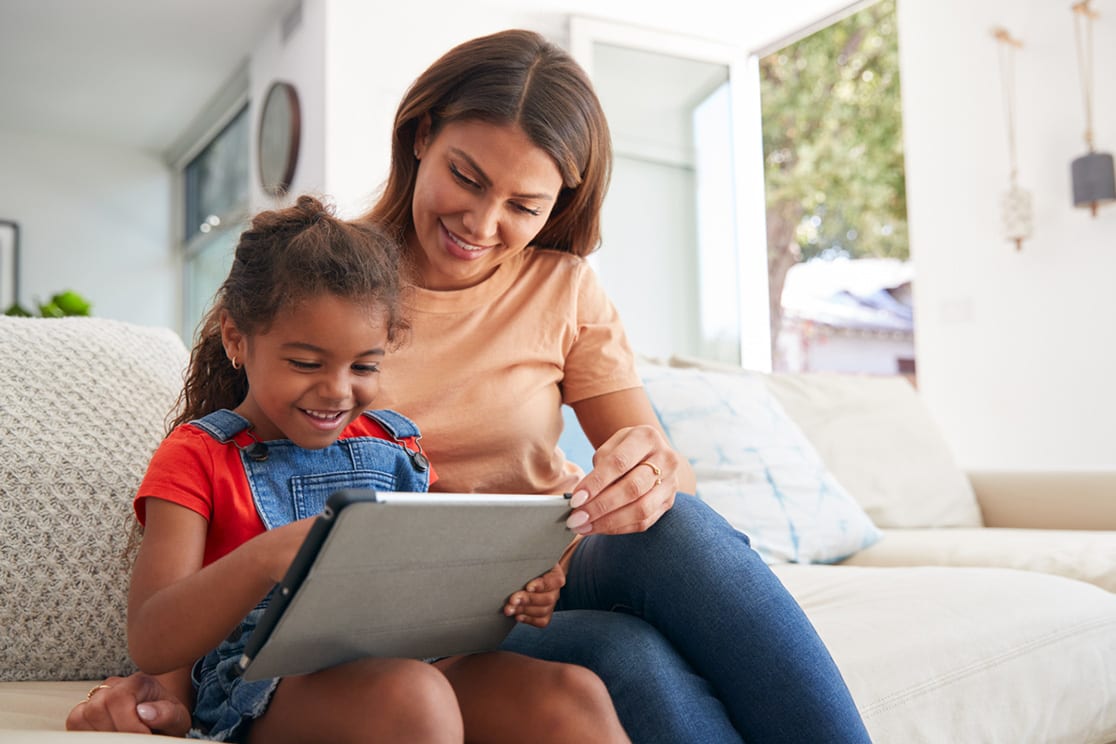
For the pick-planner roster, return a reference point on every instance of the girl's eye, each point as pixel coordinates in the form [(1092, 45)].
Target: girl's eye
[(463, 178), (366, 369), (299, 364)]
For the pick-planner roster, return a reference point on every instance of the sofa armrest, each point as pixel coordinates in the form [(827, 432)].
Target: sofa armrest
[(1064, 500)]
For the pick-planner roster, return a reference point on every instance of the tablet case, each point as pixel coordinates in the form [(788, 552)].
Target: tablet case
[(405, 575)]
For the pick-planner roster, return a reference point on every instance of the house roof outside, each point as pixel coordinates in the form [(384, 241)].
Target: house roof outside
[(866, 296)]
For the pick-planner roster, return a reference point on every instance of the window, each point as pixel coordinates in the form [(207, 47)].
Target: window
[(839, 273), (215, 195)]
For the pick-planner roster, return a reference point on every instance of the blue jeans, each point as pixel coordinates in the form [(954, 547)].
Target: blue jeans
[(721, 653)]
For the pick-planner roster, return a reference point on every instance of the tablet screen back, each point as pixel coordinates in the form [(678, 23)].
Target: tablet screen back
[(405, 575)]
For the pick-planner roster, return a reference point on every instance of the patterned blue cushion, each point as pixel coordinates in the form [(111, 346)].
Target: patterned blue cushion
[(756, 467)]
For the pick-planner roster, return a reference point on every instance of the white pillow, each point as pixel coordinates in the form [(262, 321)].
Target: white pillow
[(877, 436), (84, 403), (755, 467)]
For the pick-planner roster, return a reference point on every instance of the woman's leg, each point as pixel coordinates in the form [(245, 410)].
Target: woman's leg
[(381, 700), (696, 579), (658, 696), (509, 698)]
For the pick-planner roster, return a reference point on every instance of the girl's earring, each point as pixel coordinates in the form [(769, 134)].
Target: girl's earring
[(417, 155), (235, 363)]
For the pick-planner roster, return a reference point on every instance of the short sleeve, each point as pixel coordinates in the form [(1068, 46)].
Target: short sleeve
[(180, 471), (600, 359)]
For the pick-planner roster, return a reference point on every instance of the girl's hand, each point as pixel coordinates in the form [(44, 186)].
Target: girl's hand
[(534, 605), (634, 478), (281, 544)]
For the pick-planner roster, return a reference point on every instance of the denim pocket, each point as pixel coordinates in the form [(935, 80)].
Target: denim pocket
[(311, 491)]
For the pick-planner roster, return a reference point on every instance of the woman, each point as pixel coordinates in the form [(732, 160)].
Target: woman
[(500, 162)]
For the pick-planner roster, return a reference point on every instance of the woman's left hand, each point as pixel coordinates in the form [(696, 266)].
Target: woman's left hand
[(534, 604), (634, 478)]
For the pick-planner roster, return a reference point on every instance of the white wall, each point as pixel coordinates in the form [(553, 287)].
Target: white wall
[(95, 219), (1014, 351), (374, 51), (299, 59)]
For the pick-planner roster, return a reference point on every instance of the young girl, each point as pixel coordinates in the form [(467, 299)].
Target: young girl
[(275, 404)]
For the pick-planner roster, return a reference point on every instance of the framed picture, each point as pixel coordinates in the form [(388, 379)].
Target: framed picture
[(9, 264)]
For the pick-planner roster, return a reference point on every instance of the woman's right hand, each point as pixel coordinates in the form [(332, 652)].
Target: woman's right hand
[(137, 704)]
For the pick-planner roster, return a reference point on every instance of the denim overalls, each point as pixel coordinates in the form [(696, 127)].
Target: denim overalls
[(289, 483)]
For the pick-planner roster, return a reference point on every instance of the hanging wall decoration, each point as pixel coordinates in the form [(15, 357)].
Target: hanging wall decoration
[(1094, 179), (1016, 203)]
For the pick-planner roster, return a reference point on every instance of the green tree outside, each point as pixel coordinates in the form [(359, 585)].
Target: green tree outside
[(833, 147)]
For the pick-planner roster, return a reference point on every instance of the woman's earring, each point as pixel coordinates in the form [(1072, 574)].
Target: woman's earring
[(235, 363), (417, 155)]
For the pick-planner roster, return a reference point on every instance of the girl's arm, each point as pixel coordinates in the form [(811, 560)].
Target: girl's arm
[(179, 611), (623, 494)]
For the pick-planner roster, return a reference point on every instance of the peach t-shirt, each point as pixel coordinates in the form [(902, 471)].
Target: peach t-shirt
[(486, 368)]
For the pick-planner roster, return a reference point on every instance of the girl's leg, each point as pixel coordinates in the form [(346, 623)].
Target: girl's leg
[(505, 697), (380, 700), (658, 697), (696, 579)]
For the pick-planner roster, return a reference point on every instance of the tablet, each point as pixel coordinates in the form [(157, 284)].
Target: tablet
[(416, 575)]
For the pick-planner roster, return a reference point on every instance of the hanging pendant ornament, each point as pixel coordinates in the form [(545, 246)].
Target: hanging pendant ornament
[(1016, 206), (1094, 178)]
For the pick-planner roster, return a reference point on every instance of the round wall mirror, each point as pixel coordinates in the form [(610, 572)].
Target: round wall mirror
[(277, 142)]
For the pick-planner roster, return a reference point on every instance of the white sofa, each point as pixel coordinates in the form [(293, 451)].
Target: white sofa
[(965, 622)]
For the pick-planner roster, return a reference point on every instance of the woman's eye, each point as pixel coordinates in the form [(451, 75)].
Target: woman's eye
[(528, 210), (463, 178), (366, 369), (299, 364)]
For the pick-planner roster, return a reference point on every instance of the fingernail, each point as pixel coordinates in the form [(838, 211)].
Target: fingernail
[(579, 499), (145, 711), (577, 519), (584, 529), (532, 587)]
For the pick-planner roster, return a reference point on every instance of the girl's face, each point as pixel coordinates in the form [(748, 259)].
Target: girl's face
[(482, 194), (313, 372)]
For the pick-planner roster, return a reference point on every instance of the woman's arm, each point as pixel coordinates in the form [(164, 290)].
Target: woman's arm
[(138, 703), (635, 472), (179, 611)]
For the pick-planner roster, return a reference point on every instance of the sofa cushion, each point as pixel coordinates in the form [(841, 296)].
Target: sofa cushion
[(879, 440), (84, 404), (1084, 555), (755, 466), (937, 655), (35, 713)]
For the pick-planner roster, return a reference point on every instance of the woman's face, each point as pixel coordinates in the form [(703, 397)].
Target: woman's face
[(482, 194)]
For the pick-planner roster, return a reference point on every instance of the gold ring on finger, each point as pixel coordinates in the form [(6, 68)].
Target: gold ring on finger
[(654, 469), (89, 695)]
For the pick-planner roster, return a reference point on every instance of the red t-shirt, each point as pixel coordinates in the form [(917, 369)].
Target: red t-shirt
[(192, 469)]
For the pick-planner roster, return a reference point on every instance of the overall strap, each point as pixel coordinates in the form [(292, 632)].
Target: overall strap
[(222, 425), (395, 424)]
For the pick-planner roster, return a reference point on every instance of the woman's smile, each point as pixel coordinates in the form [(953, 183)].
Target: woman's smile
[(460, 248)]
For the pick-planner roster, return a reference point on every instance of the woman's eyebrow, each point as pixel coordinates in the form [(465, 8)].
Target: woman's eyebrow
[(486, 181)]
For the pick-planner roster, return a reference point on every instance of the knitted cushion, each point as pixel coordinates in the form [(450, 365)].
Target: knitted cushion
[(83, 404)]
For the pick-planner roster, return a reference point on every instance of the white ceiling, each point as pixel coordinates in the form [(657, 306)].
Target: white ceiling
[(121, 72)]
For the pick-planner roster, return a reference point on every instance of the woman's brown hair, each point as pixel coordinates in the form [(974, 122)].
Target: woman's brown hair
[(510, 77), (285, 257)]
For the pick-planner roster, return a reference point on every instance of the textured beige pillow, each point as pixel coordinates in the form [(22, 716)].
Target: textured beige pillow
[(83, 405), (878, 439)]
